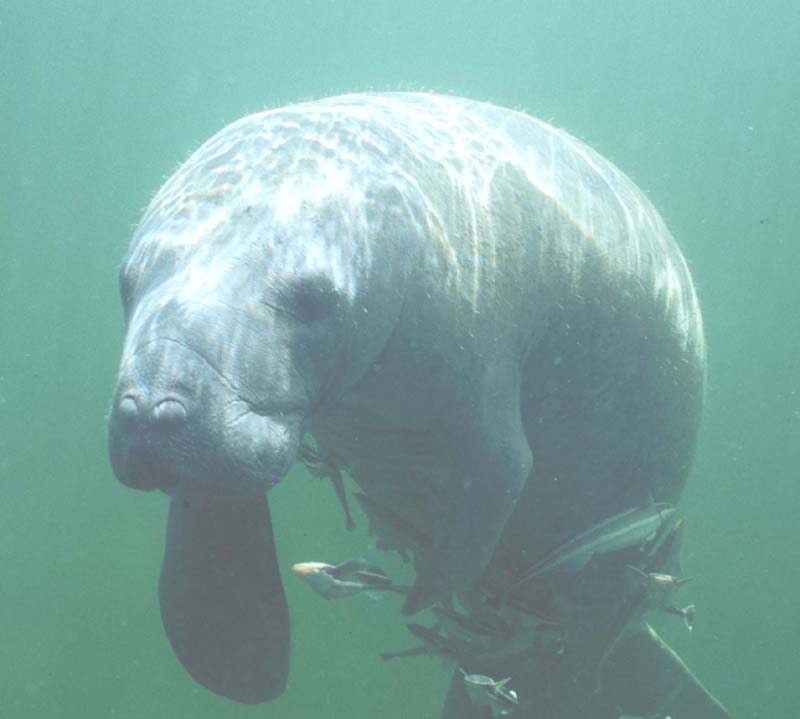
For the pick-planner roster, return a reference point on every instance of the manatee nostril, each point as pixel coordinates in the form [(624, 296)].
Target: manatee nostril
[(169, 410), (128, 407)]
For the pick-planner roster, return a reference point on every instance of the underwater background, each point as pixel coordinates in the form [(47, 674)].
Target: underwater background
[(100, 100)]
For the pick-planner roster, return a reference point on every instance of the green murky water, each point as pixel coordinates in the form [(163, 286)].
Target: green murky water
[(100, 100)]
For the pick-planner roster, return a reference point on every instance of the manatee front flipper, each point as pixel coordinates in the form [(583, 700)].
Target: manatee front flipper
[(491, 463), (644, 676), (221, 596)]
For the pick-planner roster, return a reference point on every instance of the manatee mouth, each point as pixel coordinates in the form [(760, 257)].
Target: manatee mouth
[(213, 443), (180, 415), (222, 600)]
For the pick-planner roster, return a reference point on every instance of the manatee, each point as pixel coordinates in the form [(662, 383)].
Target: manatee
[(477, 317)]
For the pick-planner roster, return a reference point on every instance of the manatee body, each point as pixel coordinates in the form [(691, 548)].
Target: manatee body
[(485, 322)]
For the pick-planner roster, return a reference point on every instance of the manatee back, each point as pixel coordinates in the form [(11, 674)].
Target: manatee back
[(524, 240)]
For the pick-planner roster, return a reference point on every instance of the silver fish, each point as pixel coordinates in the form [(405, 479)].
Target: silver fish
[(344, 580), (620, 531), (457, 623), (324, 466), (687, 613), (492, 693), (660, 588), (433, 642)]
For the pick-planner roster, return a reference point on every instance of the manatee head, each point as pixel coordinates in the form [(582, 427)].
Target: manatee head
[(252, 297), (222, 357)]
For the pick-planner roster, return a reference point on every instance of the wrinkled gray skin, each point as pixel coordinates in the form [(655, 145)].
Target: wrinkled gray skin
[(483, 320)]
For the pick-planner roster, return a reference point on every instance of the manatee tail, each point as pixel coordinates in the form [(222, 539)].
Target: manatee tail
[(222, 600)]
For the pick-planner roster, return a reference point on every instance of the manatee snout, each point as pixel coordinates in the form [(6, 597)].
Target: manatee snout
[(174, 419), (145, 428)]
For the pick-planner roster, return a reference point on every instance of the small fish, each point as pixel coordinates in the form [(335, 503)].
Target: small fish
[(413, 652), (687, 613), (432, 643), (436, 642), (621, 531), (660, 588), (492, 693), (665, 549), (455, 622), (660, 584), (344, 580), (323, 466)]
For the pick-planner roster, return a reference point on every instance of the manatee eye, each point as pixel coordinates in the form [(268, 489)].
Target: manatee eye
[(313, 298)]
